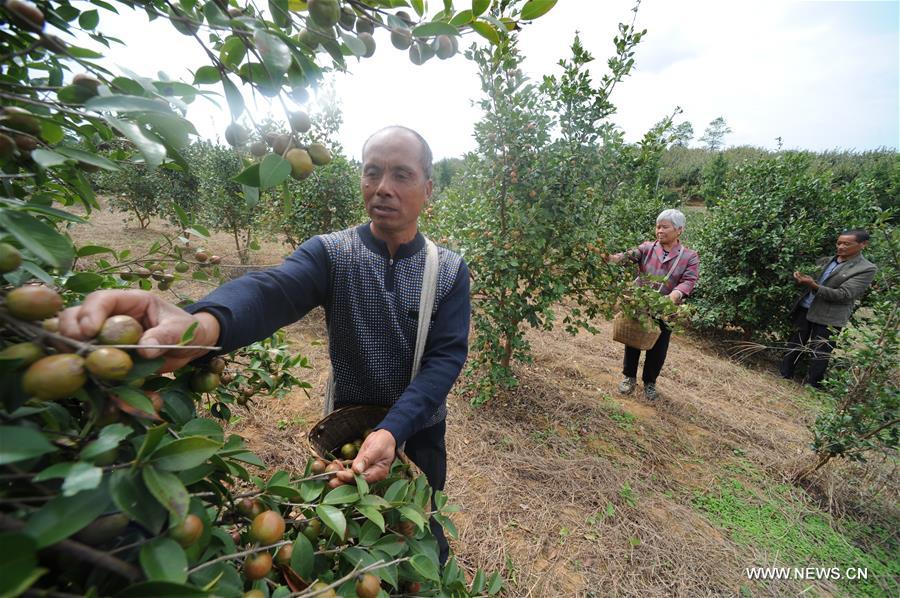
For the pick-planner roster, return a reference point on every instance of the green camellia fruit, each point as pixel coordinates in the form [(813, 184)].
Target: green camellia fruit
[(236, 135), (348, 451), (267, 528), (324, 13), (258, 149), (33, 302), (299, 121), (312, 530), (120, 330), (109, 363), (204, 381), (27, 352), (364, 26), (301, 163), (319, 154), (282, 143), (55, 377), (188, 531), (10, 258), (323, 590), (181, 267), (347, 18), (368, 41), (103, 529)]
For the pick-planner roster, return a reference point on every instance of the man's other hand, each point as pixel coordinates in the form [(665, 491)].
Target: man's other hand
[(804, 280), (164, 323), (373, 461)]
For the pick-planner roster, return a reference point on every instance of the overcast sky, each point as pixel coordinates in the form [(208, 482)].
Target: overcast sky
[(818, 74)]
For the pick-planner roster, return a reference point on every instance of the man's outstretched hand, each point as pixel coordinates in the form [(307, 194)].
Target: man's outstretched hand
[(164, 323), (373, 461)]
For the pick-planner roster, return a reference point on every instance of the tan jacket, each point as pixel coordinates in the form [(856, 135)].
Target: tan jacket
[(834, 301)]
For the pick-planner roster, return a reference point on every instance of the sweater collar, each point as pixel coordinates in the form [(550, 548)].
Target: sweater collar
[(378, 246)]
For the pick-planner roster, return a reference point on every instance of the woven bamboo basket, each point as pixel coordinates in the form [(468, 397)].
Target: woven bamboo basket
[(631, 333), (346, 425)]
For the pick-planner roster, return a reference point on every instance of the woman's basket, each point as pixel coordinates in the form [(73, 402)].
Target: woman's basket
[(632, 333)]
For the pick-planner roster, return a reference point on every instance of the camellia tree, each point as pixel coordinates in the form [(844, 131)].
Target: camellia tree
[(115, 480)]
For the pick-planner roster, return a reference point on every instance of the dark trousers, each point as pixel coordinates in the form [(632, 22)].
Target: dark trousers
[(428, 451), (653, 361), (812, 338)]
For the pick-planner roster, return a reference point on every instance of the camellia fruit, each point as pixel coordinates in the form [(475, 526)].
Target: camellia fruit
[(33, 302), (27, 352), (319, 154), (267, 528), (299, 121), (55, 377), (301, 163), (204, 381), (368, 41), (236, 135), (25, 14), (188, 531), (250, 507), (368, 586), (217, 365), (10, 258), (284, 554), (257, 565), (109, 363), (324, 13), (120, 330)]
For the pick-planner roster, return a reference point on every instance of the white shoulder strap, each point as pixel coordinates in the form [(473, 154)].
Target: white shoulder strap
[(426, 305)]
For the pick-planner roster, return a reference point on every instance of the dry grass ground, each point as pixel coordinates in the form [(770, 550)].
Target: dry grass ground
[(573, 490)]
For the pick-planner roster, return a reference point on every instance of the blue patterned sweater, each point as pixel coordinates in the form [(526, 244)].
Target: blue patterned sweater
[(371, 306)]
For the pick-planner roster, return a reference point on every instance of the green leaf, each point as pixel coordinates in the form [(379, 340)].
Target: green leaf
[(162, 559), (65, 515), (234, 97), (373, 500), (171, 128), (357, 47), (86, 250), (486, 31), (130, 495), (478, 582), (311, 490), (273, 170), (425, 567), (479, 6), (51, 132), (125, 103), (373, 515), (418, 6), (168, 490), (153, 151), (274, 52), (89, 19), (333, 518), (206, 75), (88, 158), (397, 491), (78, 476), (128, 86), (232, 52), (155, 589), (184, 453), (302, 557), (47, 159), (434, 28), (188, 335), (75, 94), (110, 437), (249, 176), (20, 443), (463, 17), (84, 282), (448, 525), (135, 398), (341, 495), (495, 584), (536, 8), (214, 15), (151, 440), (413, 514), (18, 563)]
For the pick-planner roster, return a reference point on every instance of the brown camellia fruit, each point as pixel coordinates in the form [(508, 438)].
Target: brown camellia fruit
[(258, 149), (301, 163), (368, 41), (188, 531), (215, 259), (299, 121), (407, 528), (21, 120), (254, 594), (7, 149), (55, 377), (201, 256), (267, 528), (120, 330), (103, 529), (444, 47), (283, 556), (33, 302), (50, 324), (334, 466), (109, 363), (319, 466), (217, 365), (86, 81), (204, 381), (27, 352), (368, 585), (26, 14), (250, 507), (401, 38), (10, 258), (257, 565)]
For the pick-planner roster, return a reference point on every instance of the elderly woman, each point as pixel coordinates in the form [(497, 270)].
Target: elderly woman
[(664, 257)]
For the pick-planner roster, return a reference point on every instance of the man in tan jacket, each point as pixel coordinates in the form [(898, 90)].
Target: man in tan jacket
[(826, 303)]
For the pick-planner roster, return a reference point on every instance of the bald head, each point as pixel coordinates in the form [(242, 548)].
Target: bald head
[(425, 156)]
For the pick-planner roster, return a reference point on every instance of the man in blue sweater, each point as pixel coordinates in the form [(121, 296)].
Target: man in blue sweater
[(368, 278)]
